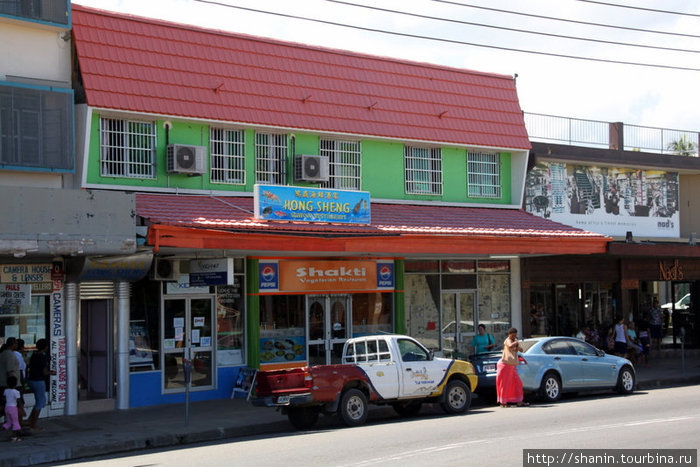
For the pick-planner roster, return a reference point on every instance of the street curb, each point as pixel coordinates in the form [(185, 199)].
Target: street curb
[(160, 440)]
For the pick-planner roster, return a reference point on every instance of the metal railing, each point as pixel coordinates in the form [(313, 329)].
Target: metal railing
[(598, 134)]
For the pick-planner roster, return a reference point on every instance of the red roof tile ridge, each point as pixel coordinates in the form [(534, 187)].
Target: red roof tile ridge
[(192, 27)]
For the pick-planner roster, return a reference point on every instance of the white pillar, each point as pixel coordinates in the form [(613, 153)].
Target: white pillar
[(71, 290), (516, 296), (122, 306)]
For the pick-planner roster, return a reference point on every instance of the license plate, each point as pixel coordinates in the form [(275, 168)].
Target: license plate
[(283, 400), (489, 367)]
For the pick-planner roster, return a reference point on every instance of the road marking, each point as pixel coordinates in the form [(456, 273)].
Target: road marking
[(447, 447)]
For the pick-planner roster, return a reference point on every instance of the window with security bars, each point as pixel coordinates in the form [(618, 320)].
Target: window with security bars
[(127, 148), (423, 168), (344, 164), (483, 175), (270, 158), (227, 149)]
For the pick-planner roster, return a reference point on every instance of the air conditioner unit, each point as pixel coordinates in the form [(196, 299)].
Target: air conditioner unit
[(165, 270), (184, 159), (310, 168)]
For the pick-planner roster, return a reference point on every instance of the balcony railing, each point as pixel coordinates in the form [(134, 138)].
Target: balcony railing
[(609, 135)]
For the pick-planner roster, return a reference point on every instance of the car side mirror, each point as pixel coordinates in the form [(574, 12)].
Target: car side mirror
[(431, 355), (600, 353)]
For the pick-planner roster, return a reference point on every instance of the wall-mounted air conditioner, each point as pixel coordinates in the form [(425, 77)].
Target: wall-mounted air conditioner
[(185, 159), (311, 168), (165, 270)]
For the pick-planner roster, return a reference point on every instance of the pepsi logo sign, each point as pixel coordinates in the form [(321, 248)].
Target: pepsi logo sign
[(268, 273)]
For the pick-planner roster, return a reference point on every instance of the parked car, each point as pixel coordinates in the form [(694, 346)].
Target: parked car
[(550, 366), (681, 304)]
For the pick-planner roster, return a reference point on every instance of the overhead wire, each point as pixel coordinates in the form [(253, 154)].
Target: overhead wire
[(567, 20), (680, 13), (451, 41), (505, 28)]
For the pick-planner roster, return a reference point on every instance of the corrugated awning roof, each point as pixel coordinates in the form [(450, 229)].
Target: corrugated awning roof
[(419, 227), (155, 67)]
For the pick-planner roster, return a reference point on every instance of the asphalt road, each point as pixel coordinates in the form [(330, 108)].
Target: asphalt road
[(485, 436)]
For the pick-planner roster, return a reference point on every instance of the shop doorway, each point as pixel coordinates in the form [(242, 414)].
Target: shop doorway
[(679, 315), (96, 367), (328, 319), (458, 321), (187, 330)]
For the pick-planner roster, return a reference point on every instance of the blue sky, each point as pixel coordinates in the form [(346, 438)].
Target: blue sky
[(655, 97)]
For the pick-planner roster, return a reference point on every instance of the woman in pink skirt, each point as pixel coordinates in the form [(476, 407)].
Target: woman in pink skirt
[(509, 387)]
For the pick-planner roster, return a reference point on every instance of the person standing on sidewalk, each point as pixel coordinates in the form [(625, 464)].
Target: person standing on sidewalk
[(621, 337), (38, 373), (9, 366), (655, 324), (12, 400)]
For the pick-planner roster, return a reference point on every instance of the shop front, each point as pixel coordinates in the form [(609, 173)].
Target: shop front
[(563, 294), (308, 308)]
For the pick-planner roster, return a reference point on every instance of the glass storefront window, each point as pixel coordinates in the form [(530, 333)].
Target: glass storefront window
[(282, 329), (424, 266), (458, 281), (144, 319), (464, 267), (230, 314), (26, 322), (371, 313), (423, 308), (494, 304), (494, 266)]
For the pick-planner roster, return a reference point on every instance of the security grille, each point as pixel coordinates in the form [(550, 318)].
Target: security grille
[(344, 158), (483, 175), (227, 156), (423, 170), (127, 148), (270, 158)]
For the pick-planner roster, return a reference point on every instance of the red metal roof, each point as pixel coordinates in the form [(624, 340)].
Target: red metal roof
[(236, 213), (156, 67)]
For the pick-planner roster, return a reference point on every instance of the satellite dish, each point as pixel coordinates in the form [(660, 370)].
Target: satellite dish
[(185, 157)]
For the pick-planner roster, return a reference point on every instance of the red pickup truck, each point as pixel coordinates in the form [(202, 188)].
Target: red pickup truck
[(380, 369)]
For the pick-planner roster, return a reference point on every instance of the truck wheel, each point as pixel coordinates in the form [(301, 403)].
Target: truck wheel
[(407, 409), (302, 418), (458, 397), (353, 408)]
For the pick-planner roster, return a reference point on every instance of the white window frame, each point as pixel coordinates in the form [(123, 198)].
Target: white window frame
[(423, 170), (345, 169), (227, 156), (127, 148), (483, 175), (270, 158)]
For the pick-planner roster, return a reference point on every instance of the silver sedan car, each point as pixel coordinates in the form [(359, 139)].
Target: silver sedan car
[(550, 366)]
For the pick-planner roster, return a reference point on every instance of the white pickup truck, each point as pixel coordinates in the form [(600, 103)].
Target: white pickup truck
[(378, 369)]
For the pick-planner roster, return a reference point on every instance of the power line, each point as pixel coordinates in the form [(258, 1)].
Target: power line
[(681, 13), (450, 41), (504, 28), (566, 20)]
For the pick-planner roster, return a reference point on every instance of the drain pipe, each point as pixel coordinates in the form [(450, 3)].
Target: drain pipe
[(123, 305)]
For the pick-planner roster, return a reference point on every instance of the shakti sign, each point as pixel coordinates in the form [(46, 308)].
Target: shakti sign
[(325, 276), (291, 203)]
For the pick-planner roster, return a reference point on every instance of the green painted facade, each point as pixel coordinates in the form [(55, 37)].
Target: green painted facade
[(382, 165)]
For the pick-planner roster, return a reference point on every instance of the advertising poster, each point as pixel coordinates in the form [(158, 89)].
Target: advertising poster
[(140, 352), (58, 383), (606, 200), (282, 349)]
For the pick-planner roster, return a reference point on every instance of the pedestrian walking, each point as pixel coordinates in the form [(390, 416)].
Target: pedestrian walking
[(39, 371), (655, 320), (12, 400), (509, 387)]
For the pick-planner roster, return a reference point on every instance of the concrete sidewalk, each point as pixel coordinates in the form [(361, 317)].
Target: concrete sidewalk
[(74, 437)]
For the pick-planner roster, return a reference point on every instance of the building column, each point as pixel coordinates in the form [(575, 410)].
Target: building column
[(71, 290), (516, 297), (122, 307)]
